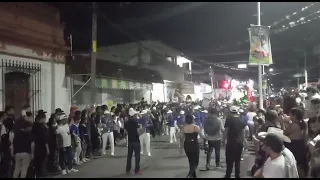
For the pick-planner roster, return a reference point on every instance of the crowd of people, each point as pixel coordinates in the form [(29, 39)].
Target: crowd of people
[(285, 142)]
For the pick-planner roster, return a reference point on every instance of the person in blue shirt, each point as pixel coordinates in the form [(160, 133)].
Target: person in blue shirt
[(107, 131), (145, 122), (172, 127), (74, 131), (244, 118), (197, 116)]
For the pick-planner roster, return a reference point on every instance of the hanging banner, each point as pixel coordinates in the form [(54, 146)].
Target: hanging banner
[(260, 46)]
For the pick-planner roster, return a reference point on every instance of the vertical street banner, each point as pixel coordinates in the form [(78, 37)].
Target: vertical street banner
[(260, 46)]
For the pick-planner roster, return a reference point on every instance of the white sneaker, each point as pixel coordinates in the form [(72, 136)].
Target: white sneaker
[(84, 160), (112, 154), (149, 154), (141, 153), (87, 159), (72, 170), (64, 172), (170, 142)]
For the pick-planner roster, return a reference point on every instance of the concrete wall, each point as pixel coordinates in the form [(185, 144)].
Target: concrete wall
[(54, 85)]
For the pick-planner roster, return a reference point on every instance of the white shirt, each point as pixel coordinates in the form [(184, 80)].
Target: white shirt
[(64, 131), (274, 168), (250, 116), (291, 163)]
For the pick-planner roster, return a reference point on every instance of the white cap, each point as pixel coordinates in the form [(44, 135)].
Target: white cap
[(106, 112), (181, 112), (132, 112), (234, 109), (241, 110), (144, 111), (164, 107), (169, 112)]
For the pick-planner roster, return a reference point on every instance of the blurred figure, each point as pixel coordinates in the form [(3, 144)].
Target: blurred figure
[(189, 138), (213, 129), (40, 133), (146, 123), (234, 128)]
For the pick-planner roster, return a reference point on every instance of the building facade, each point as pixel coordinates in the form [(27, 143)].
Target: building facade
[(32, 54), (115, 83), (157, 56)]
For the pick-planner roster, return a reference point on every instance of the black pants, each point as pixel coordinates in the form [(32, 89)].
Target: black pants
[(192, 150), (133, 147), (66, 157), (52, 162), (233, 156), (217, 146), (40, 162)]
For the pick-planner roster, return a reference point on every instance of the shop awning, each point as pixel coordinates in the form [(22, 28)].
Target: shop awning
[(121, 84)]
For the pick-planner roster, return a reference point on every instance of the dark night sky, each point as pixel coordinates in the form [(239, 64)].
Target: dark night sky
[(191, 27)]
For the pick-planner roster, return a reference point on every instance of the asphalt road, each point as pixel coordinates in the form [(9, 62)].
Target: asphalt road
[(165, 162)]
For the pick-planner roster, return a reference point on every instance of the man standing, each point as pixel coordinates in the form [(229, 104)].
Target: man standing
[(213, 129), (234, 132), (133, 130), (146, 123)]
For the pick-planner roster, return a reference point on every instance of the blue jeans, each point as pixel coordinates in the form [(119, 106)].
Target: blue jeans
[(65, 157)]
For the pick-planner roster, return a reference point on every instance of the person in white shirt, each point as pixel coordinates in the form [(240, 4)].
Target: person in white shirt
[(65, 149), (281, 162), (275, 166)]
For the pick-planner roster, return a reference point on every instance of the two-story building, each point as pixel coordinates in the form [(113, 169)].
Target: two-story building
[(32, 55), (174, 69)]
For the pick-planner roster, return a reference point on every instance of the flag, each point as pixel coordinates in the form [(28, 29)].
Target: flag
[(260, 46)]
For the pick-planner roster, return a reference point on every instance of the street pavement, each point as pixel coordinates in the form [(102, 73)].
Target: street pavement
[(165, 162)]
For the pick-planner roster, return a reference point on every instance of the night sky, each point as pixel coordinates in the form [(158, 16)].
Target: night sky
[(201, 30)]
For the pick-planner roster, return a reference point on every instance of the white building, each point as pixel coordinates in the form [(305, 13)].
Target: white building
[(32, 52)]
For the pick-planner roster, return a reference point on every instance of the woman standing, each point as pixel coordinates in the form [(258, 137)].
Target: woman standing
[(296, 131), (189, 137)]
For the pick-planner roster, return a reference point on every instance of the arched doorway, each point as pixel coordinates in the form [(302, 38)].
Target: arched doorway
[(17, 90)]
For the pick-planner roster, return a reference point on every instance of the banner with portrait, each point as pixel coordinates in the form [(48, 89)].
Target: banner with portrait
[(260, 46)]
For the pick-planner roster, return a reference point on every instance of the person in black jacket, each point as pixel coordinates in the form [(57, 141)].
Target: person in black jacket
[(40, 133), (83, 130)]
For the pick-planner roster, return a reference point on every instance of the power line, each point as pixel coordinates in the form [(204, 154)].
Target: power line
[(279, 23), (114, 25)]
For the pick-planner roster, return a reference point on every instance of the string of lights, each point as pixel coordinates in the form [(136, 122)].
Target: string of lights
[(281, 22), (303, 20)]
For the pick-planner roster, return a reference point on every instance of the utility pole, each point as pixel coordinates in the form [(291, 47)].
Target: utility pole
[(259, 66), (305, 69), (212, 83), (93, 53)]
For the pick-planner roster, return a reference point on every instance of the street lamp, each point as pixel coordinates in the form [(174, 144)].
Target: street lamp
[(270, 70)]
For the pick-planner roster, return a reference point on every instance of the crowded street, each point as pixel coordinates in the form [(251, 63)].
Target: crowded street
[(159, 90), (167, 162)]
